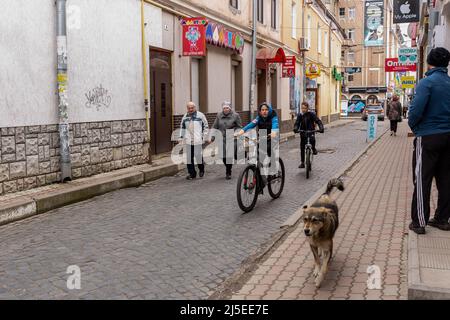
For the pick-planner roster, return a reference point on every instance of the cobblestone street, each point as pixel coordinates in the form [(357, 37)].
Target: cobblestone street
[(178, 239)]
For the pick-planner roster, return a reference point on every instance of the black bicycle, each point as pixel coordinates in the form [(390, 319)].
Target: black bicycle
[(251, 182), (308, 151)]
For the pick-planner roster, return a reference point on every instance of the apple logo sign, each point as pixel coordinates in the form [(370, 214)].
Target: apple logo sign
[(404, 8)]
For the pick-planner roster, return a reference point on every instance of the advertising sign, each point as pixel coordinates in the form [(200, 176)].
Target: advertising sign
[(312, 71), (218, 35), (392, 65), (289, 67), (407, 55), (344, 108), (372, 120), (194, 36), (374, 23), (408, 82), (406, 11), (352, 70)]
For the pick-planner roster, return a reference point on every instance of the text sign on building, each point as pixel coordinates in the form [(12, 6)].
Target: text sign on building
[(392, 65), (218, 35), (406, 11), (372, 120), (407, 56), (408, 82), (312, 70), (194, 36), (352, 70), (289, 67)]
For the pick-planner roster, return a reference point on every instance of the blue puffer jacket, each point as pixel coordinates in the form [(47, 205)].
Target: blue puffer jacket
[(429, 112)]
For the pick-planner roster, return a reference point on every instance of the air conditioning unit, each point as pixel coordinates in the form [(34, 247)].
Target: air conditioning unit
[(303, 44)]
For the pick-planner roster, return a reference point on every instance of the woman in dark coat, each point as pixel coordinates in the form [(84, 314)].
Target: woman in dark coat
[(227, 119), (394, 113)]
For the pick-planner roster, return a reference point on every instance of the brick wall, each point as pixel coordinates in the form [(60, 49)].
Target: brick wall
[(30, 157)]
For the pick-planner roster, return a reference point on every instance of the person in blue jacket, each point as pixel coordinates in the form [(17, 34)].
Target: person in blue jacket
[(268, 128), (429, 119)]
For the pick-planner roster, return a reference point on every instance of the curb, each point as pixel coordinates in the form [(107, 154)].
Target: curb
[(231, 285), (27, 206)]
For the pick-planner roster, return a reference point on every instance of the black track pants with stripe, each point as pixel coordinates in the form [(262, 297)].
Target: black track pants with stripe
[(431, 159)]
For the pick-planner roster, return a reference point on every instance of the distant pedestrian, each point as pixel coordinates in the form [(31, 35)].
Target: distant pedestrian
[(194, 130), (394, 113), (406, 106), (429, 119), (227, 119)]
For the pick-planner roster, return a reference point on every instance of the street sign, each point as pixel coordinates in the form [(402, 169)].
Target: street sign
[(392, 65), (372, 120), (353, 70), (408, 82), (407, 55), (406, 11)]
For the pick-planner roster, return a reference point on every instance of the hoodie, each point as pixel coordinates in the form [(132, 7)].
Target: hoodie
[(269, 123)]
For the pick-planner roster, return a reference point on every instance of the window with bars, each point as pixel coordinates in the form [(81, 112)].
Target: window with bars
[(342, 12)]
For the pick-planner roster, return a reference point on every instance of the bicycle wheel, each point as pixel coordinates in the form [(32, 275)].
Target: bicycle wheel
[(247, 188), (308, 163), (276, 182)]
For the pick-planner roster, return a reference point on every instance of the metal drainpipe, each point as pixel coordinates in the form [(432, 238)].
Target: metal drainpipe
[(253, 71), (61, 45), (146, 85)]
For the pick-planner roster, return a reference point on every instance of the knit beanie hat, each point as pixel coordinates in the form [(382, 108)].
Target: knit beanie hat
[(438, 57)]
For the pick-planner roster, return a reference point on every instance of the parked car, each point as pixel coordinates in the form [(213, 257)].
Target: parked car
[(375, 108)]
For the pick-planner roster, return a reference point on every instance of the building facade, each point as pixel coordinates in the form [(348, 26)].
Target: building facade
[(371, 38)]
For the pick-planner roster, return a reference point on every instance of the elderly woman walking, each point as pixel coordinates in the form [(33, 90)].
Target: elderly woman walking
[(227, 119), (394, 113)]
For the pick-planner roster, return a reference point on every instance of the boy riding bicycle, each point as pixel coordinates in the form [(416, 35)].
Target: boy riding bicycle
[(267, 127), (307, 121)]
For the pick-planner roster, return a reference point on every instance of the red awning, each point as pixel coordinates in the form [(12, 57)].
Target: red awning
[(265, 56)]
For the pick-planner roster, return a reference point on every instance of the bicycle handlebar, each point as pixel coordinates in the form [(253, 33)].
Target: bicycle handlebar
[(309, 131)]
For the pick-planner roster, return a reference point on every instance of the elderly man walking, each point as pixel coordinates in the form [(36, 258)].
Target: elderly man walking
[(194, 131), (429, 119)]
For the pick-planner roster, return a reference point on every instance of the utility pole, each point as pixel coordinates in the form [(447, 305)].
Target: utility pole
[(303, 53), (253, 71), (61, 48)]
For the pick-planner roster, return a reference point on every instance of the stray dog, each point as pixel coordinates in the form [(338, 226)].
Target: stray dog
[(320, 223)]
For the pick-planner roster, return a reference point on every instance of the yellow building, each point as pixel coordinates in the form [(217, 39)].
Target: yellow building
[(323, 39)]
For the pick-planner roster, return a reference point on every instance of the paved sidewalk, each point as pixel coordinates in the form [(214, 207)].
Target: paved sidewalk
[(374, 217)]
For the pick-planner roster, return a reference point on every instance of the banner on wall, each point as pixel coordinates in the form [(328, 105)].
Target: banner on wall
[(373, 23), (289, 67), (218, 35), (194, 36), (392, 65)]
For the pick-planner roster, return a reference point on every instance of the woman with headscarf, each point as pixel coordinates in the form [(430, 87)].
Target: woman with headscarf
[(227, 119), (394, 113)]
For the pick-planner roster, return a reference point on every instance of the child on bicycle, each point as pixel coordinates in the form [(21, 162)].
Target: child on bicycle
[(307, 120), (267, 126)]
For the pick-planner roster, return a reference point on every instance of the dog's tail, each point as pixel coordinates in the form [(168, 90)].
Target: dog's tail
[(334, 183)]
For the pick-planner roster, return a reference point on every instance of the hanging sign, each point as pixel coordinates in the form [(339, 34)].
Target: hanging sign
[(406, 11), (218, 35), (289, 67), (312, 71), (407, 55), (408, 82), (392, 65), (194, 39)]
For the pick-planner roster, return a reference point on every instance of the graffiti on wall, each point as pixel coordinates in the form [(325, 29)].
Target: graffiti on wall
[(98, 98)]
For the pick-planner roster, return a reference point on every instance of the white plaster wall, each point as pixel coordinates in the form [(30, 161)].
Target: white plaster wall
[(106, 52), (247, 69), (219, 77), (27, 63), (181, 75)]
